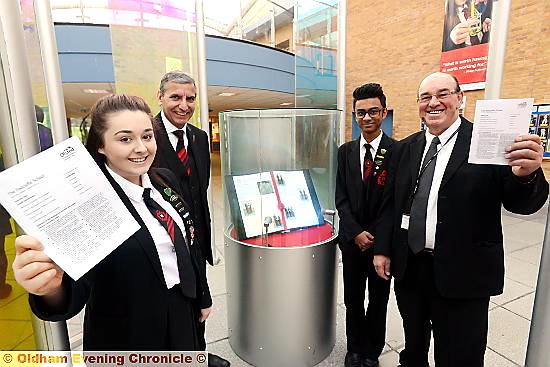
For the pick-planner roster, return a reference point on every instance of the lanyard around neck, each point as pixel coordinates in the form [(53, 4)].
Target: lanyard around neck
[(423, 169)]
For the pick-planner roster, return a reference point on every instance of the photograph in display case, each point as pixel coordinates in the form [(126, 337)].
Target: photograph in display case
[(533, 122), (277, 200)]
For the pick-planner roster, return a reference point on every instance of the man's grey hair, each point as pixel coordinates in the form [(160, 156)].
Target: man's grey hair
[(178, 77)]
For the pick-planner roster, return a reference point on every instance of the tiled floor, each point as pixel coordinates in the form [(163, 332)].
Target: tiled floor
[(509, 316), (15, 317)]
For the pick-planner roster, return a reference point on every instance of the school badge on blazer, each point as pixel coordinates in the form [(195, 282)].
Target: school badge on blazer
[(178, 204), (378, 161)]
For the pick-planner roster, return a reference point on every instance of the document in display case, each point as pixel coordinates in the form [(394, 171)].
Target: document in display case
[(284, 200)]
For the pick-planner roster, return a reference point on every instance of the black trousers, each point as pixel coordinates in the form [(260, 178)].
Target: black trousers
[(201, 326), (365, 331), (459, 325)]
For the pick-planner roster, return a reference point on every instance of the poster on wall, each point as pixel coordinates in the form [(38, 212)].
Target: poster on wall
[(465, 43), (540, 119)]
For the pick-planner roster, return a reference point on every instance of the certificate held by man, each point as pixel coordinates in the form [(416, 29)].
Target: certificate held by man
[(61, 197), (497, 123)]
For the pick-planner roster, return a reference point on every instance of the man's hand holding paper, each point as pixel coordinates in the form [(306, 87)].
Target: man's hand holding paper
[(525, 155), (499, 135)]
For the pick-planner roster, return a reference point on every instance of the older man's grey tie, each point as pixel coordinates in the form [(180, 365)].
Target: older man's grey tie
[(417, 221)]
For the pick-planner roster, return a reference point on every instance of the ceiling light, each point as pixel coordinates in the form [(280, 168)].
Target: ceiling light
[(96, 91), (225, 94), (286, 103)]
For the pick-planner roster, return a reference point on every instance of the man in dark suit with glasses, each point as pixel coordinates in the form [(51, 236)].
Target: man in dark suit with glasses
[(360, 180), (440, 235)]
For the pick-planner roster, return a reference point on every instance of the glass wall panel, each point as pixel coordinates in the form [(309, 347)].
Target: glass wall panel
[(138, 69), (32, 44), (148, 38), (316, 53), (256, 22), (165, 14), (142, 54), (267, 22), (15, 315)]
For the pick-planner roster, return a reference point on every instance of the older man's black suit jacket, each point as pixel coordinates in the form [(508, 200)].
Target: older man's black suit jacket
[(469, 255), (168, 158)]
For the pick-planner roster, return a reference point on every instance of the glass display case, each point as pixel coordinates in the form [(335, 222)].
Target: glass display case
[(278, 180)]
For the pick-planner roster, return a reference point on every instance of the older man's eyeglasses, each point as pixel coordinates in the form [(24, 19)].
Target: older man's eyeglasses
[(373, 112), (441, 96)]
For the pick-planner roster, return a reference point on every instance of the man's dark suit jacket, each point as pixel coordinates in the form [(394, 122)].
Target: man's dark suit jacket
[(168, 158), (349, 186), (125, 294), (468, 255)]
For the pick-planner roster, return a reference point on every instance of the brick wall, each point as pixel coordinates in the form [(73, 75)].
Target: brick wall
[(397, 43), (546, 169)]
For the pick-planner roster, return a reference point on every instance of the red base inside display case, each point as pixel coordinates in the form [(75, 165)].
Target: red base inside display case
[(294, 238)]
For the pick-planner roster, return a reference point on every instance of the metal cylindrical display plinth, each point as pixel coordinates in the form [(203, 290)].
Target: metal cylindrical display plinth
[(281, 302), (278, 179)]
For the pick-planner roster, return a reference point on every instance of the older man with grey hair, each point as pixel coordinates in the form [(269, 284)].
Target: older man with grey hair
[(440, 235), (185, 150)]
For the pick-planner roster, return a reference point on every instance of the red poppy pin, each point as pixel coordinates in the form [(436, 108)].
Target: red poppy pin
[(160, 215), (382, 178)]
